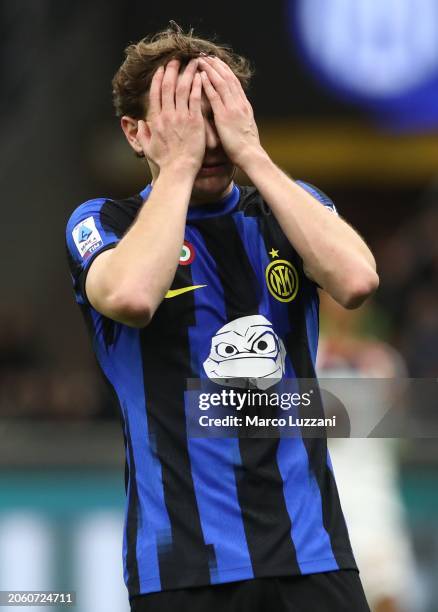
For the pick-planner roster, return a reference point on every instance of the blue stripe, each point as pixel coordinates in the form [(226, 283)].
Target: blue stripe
[(213, 460), (301, 491), (122, 365), (146, 191), (312, 319), (304, 504), (224, 206)]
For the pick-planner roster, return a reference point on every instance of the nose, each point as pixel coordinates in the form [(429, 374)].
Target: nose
[(211, 136)]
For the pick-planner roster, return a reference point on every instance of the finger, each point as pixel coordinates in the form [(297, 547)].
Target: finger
[(141, 124), (143, 130), (168, 85), (219, 83), (184, 85), (143, 135), (221, 67), (212, 94), (155, 91), (225, 71), (196, 94)]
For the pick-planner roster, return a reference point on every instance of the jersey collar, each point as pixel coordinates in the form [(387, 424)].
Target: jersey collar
[(203, 211)]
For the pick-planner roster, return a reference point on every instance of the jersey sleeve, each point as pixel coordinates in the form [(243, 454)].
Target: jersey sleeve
[(89, 232), (321, 197), (318, 195)]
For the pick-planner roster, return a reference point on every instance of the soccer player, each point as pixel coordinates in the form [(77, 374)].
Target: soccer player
[(197, 277)]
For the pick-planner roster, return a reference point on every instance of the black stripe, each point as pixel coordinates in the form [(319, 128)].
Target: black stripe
[(297, 347), (130, 479), (118, 215), (186, 559), (264, 512), (234, 269), (126, 472), (132, 521), (259, 483)]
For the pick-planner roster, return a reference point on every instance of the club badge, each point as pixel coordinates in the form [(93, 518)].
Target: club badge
[(281, 279)]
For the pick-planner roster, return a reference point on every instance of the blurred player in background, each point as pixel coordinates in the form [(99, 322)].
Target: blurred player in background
[(366, 468), (198, 277)]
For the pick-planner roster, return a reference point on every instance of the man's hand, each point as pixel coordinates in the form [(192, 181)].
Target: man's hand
[(233, 114), (128, 283), (174, 133), (333, 254)]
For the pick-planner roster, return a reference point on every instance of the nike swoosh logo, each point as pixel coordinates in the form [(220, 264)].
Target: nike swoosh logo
[(174, 292)]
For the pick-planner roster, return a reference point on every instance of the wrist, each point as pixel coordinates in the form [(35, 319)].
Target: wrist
[(251, 158), (180, 171)]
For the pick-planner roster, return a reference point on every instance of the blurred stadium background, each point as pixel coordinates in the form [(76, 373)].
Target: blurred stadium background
[(346, 97)]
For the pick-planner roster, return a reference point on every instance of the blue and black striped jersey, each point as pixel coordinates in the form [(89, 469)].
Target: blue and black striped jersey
[(212, 510)]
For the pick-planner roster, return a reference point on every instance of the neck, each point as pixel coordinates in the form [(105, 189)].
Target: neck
[(199, 199), (206, 198)]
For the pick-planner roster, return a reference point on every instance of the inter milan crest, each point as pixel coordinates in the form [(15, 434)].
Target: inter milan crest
[(187, 254), (281, 279)]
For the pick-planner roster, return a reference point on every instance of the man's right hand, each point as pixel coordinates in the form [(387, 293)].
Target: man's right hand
[(128, 283), (173, 134)]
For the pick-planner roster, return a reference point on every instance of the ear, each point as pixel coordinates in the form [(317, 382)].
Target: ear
[(130, 129)]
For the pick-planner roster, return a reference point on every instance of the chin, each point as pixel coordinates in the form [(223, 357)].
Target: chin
[(211, 188)]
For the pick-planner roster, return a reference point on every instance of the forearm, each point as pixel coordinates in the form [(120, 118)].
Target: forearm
[(140, 269), (333, 254)]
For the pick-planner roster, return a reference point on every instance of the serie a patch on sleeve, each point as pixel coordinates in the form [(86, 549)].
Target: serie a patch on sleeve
[(86, 237)]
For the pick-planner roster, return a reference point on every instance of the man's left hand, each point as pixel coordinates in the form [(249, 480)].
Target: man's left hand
[(233, 114)]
